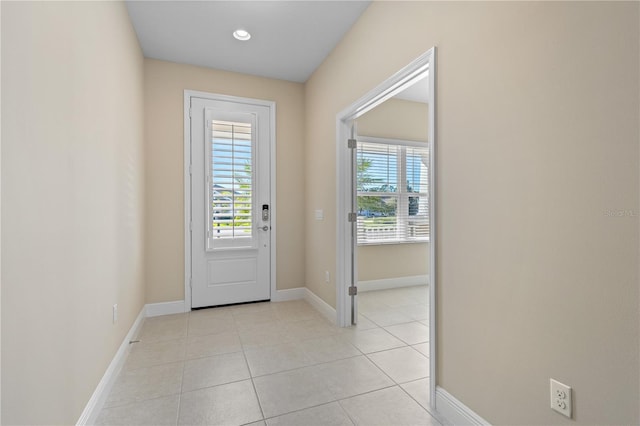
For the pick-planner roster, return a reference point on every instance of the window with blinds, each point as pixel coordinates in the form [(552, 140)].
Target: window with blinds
[(230, 181), (393, 195)]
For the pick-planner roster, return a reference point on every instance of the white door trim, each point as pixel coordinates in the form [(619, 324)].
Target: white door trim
[(389, 88), (188, 94)]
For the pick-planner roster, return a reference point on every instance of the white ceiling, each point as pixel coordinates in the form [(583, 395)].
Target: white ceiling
[(418, 92), (290, 39)]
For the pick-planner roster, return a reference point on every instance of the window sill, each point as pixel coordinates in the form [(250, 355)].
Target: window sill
[(392, 242)]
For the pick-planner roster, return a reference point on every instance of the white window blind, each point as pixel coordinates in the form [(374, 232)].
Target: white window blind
[(231, 181), (393, 193)]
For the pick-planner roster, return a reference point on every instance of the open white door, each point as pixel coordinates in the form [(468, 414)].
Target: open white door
[(230, 202)]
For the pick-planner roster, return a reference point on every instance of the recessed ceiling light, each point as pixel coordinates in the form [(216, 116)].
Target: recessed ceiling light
[(242, 35)]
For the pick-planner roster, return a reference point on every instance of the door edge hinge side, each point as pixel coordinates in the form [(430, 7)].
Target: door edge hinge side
[(190, 225), (353, 291), (352, 143), (352, 217), (189, 112)]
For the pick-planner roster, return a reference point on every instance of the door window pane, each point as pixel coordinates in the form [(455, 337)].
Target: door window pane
[(231, 181)]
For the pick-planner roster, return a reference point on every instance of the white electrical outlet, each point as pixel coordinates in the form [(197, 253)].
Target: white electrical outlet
[(115, 313), (560, 398), (327, 277)]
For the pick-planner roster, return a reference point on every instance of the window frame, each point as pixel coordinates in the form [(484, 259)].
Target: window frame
[(401, 194)]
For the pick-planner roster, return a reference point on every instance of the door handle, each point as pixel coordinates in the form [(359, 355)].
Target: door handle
[(264, 228)]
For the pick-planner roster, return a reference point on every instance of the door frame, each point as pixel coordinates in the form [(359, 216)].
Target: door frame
[(345, 187), (188, 94)]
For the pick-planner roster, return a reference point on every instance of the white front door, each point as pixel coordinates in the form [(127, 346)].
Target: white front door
[(230, 202)]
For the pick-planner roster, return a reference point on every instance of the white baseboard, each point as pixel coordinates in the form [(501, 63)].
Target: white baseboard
[(164, 308), (178, 306), (323, 307), (288, 294), (388, 283), (454, 412), (97, 400)]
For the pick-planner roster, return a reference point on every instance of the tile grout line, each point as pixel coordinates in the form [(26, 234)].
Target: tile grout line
[(417, 402), (178, 410), (253, 384), (314, 406), (338, 400), (370, 391), (303, 367), (379, 368), (136, 401), (347, 413), (184, 365)]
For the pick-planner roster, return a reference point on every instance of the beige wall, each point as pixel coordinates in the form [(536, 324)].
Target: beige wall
[(394, 119), (537, 137), (165, 83), (378, 262), (72, 204)]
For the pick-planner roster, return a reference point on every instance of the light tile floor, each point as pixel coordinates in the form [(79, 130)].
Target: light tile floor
[(280, 364)]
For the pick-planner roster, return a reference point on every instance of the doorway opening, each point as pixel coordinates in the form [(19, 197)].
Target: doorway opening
[(386, 194)]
